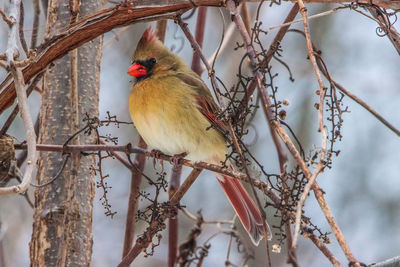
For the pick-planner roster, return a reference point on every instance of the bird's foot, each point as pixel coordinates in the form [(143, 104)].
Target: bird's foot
[(175, 160), (156, 155)]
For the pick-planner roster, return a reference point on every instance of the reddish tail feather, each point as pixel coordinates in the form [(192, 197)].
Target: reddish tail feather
[(244, 206)]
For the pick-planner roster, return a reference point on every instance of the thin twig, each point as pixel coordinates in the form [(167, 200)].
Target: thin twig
[(55, 176), (393, 262), (322, 248), (199, 51), (151, 230), (317, 190), (262, 186), (322, 129), (386, 26), (271, 51), (366, 106), (274, 124), (196, 219), (350, 94), (228, 36), (329, 12), (6, 19), (90, 27), (29, 131), (244, 10)]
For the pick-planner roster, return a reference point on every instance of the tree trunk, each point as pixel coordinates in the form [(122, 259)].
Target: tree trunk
[(62, 229)]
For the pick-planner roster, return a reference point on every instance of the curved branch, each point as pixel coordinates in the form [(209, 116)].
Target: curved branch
[(93, 26)]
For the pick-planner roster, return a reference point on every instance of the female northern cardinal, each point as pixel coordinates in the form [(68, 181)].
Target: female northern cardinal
[(173, 109)]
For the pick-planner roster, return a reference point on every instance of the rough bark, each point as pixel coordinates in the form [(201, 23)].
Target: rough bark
[(62, 229)]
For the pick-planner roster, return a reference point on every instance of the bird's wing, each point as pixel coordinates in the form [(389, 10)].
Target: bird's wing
[(205, 101)]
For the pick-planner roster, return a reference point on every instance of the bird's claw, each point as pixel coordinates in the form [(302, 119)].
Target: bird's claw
[(175, 159), (156, 155)]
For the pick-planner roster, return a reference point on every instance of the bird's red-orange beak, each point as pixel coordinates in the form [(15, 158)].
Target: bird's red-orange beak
[(137, 70)]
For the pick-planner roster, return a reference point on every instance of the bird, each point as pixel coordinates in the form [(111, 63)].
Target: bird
[(175, 113)]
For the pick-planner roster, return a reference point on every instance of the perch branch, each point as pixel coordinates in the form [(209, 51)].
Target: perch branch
[(262, 186), (136, 150)]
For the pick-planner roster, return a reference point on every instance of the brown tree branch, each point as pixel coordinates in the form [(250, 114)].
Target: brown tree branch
[(276, 126), (93, 26), (173, 221), (21, 29), (271, 51), (262, 186), (199, 51), (12, 50), (136, 180), (353, 96), (107, 19), (387, 26), (137, 150), (318, 192), (6, 19), (364, 105), (319, 244), (322, 128), (152, 229), (199, 37), (36, 16), (244, 10), (15, 111)]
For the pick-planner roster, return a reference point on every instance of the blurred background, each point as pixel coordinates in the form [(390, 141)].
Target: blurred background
[(362, 188)]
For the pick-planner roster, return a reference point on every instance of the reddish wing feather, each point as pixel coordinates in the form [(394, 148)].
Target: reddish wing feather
[(209, 109), (204, 99)]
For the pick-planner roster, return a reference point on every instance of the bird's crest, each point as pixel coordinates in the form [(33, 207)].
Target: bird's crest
[(148, 36)]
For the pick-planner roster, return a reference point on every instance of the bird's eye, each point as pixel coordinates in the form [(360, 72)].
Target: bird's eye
[(153, 60)]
